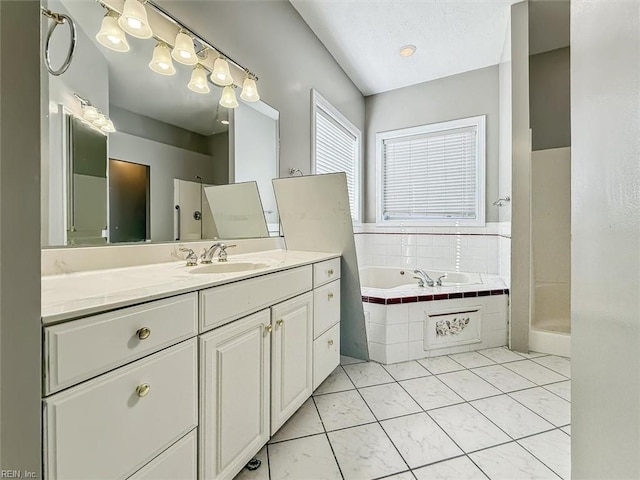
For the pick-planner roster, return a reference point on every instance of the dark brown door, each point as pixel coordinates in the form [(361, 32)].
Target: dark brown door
[(128, 202)]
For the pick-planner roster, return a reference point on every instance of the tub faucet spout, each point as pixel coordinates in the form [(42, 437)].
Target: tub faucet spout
[(424, 278)]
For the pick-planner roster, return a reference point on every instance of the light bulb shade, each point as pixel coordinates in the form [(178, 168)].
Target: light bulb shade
[(228, 98), (161, 61), (111, 35), (198, 82), (249, 90), (90, 113), (101, 121), (183, 51), (221, 74), (108, 128), (134, 20)]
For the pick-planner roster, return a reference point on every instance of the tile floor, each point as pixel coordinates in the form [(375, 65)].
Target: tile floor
[(490, 414)]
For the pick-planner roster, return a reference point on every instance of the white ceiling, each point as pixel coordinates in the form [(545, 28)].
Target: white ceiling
[(135, 87), (365, 36)]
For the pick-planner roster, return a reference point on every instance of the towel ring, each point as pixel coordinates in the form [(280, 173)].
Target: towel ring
[(58, 19)]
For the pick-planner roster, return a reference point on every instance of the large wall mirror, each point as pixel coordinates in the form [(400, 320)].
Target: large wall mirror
[(146, 180)]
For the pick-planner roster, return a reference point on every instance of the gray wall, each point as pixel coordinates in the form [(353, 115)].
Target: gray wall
[(219, 147), (166, 162), (605, 210), (549, 99), (272, 39), (20, 328), (152, 129), (459, 96)]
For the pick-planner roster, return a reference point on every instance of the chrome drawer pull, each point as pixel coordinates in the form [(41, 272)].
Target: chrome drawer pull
[(143, 333), (143, 390), (330, 271), (330, 296), (330, 342)]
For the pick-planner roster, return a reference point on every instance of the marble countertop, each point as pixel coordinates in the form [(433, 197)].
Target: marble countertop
[(74, 295)]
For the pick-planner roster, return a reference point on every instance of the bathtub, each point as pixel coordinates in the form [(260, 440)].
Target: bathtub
[(404, 321)]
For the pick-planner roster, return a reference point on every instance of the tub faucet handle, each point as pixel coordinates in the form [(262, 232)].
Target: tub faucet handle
[(439, 281), (420, 281), (424, 276)]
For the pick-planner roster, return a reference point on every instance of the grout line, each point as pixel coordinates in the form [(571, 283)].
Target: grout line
[(534, 456), (328, 440)]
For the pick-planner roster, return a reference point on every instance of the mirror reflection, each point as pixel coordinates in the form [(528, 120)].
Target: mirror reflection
[(141, 176), (237, 210)]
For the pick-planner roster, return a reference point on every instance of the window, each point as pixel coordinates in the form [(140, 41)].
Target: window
[(336, 147), (432, 174)]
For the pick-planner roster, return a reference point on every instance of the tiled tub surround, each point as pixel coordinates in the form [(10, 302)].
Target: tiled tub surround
[(490, 414), (411, 322), (462, 249)]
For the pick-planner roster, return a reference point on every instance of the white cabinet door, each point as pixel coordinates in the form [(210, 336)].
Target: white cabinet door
[(292, 357), (234, 395)]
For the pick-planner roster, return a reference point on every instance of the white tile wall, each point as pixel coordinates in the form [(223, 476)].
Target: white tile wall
[(469, 249), (396, 332)]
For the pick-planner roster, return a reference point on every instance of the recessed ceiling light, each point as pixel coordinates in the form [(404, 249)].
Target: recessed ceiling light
[(407, 50)]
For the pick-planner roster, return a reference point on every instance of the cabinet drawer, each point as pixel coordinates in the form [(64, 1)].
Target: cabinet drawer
[(220, 305), (326, 307), (178, 462), (326, 355), (326, 271), (81, 349), (109, 428)]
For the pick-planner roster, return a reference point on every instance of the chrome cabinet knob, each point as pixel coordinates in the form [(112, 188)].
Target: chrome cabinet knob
[(279, 323), (143, 333), (330, 295), (143, 390), (330, 342), (330, 271), (268, 328)]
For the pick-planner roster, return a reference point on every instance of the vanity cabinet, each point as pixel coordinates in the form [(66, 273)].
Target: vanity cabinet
[(291, 357)]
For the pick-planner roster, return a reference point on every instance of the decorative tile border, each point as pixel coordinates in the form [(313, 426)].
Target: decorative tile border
[(429, 298)]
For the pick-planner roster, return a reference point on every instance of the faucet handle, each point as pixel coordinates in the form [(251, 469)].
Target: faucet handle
[(192, 258), (222, 254), (439, 281)]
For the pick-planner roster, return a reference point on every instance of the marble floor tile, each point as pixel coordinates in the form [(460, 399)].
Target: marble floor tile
[(471, 359), (567, 430), (557, 364), (406, 370), (535, 372), (296, 458), (430, 392), (261, 473), (512, 417), (468, 385), (442, 364), (343, 409), (468, 427), (365, 452), (510, 462), (501, 355), (344, 360), (553, 449), (367, 374), (532, 354), (389, 400), (456, 469), (401, 476), (546, 404), (562, 389), (502, 378), (304, 422), (338, 381), (420, 440)]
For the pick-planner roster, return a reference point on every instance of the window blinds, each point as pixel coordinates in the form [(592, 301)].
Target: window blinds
[(431, 176), (336, 151)]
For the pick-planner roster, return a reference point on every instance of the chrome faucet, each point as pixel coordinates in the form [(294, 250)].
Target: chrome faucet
[(423, 278), (219, 247), (439, 281), (191, 258)]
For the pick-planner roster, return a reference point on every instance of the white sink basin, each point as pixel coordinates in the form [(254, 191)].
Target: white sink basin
[(229, 267)]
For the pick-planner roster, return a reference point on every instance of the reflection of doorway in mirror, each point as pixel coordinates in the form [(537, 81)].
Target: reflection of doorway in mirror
[(193, 219), (129, 206)]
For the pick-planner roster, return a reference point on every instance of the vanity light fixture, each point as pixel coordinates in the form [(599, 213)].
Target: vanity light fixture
[(183, 52), (221, 74), (161, 61), (249, 89), (134, 20), (228, 98), (89, 112), (198, 82), (407, 50), (108, 128), (94, 117), (111, 35)]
